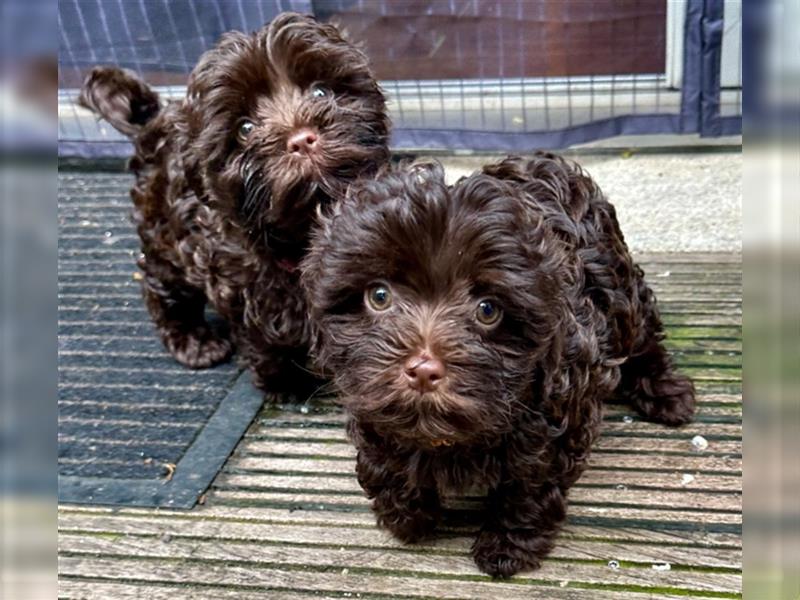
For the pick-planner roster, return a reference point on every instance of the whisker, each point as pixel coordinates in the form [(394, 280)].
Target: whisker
[(316, 391), (307, 370)]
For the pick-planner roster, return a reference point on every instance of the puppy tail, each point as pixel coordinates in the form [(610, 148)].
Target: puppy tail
[(120, 97)]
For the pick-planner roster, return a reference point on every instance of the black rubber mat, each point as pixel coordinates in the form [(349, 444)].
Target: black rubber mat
[(135, 427)]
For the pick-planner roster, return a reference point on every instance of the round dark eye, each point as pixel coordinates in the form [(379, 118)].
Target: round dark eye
[(319, 92), (379, 297), (488, 313), (245, 129)]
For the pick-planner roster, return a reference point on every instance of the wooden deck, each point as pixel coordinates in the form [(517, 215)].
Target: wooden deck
[(653, 517)]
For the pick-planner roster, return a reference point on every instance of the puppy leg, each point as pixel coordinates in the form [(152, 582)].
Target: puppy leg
[(410, 512), (655, 389), (520, 531), (649, 380), (178, 312), (279, 371)]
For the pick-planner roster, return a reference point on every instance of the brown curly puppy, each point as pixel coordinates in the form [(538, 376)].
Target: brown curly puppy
[(229, 179), (474, 332)]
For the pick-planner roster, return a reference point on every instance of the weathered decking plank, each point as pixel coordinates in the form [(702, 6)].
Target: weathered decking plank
[(286, 518), (318, 561), (634, 428), (632, 513), (700, 462), (618, 494), (574, 546), (612, 477), (102, 590), (421, 575), (330, 436)]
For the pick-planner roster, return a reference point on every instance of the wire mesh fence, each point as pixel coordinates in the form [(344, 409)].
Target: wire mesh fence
[(458, 74)]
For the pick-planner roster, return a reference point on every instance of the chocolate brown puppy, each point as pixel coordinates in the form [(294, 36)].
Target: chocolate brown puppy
[(228, 181), (474, 332)]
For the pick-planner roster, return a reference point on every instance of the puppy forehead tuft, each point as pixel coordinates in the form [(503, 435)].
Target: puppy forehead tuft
[(407, 227), (303, 50)]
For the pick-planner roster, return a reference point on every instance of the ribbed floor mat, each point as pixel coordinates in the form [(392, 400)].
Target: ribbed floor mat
[(135, 427)]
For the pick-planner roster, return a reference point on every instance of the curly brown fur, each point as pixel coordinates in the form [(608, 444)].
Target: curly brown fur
[(613, 282), (223, 208), (513, 405)]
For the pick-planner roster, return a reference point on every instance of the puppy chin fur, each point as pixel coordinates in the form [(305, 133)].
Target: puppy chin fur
[(521, 402)]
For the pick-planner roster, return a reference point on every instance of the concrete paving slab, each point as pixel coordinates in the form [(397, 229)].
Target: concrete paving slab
[(671, 202)]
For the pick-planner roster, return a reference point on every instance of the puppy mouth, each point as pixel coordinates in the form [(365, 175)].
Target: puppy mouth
[(282, 196), (462, 409), (325, 169), (309, 162), (434, 420), (316, 176)]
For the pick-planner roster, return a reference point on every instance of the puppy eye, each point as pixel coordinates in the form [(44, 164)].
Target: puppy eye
[(488, 313), (379, 297), (319, 92), (246, 127)]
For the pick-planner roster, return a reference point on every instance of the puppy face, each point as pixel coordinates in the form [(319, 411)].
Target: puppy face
[(283, 119), (435, 306)]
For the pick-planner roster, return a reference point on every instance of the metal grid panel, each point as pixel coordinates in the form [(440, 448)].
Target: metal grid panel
[(502, 109)]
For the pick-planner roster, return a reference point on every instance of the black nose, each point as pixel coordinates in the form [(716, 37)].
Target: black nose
[(304, 141), (424, 372)]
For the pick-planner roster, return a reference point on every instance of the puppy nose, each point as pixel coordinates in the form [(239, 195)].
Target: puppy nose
[(304, 141), (424, 372)]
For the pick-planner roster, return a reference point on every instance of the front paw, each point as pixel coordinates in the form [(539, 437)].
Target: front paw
[(197, 349), (408, 528), (497, 555), (407, 524), (672, 403)]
